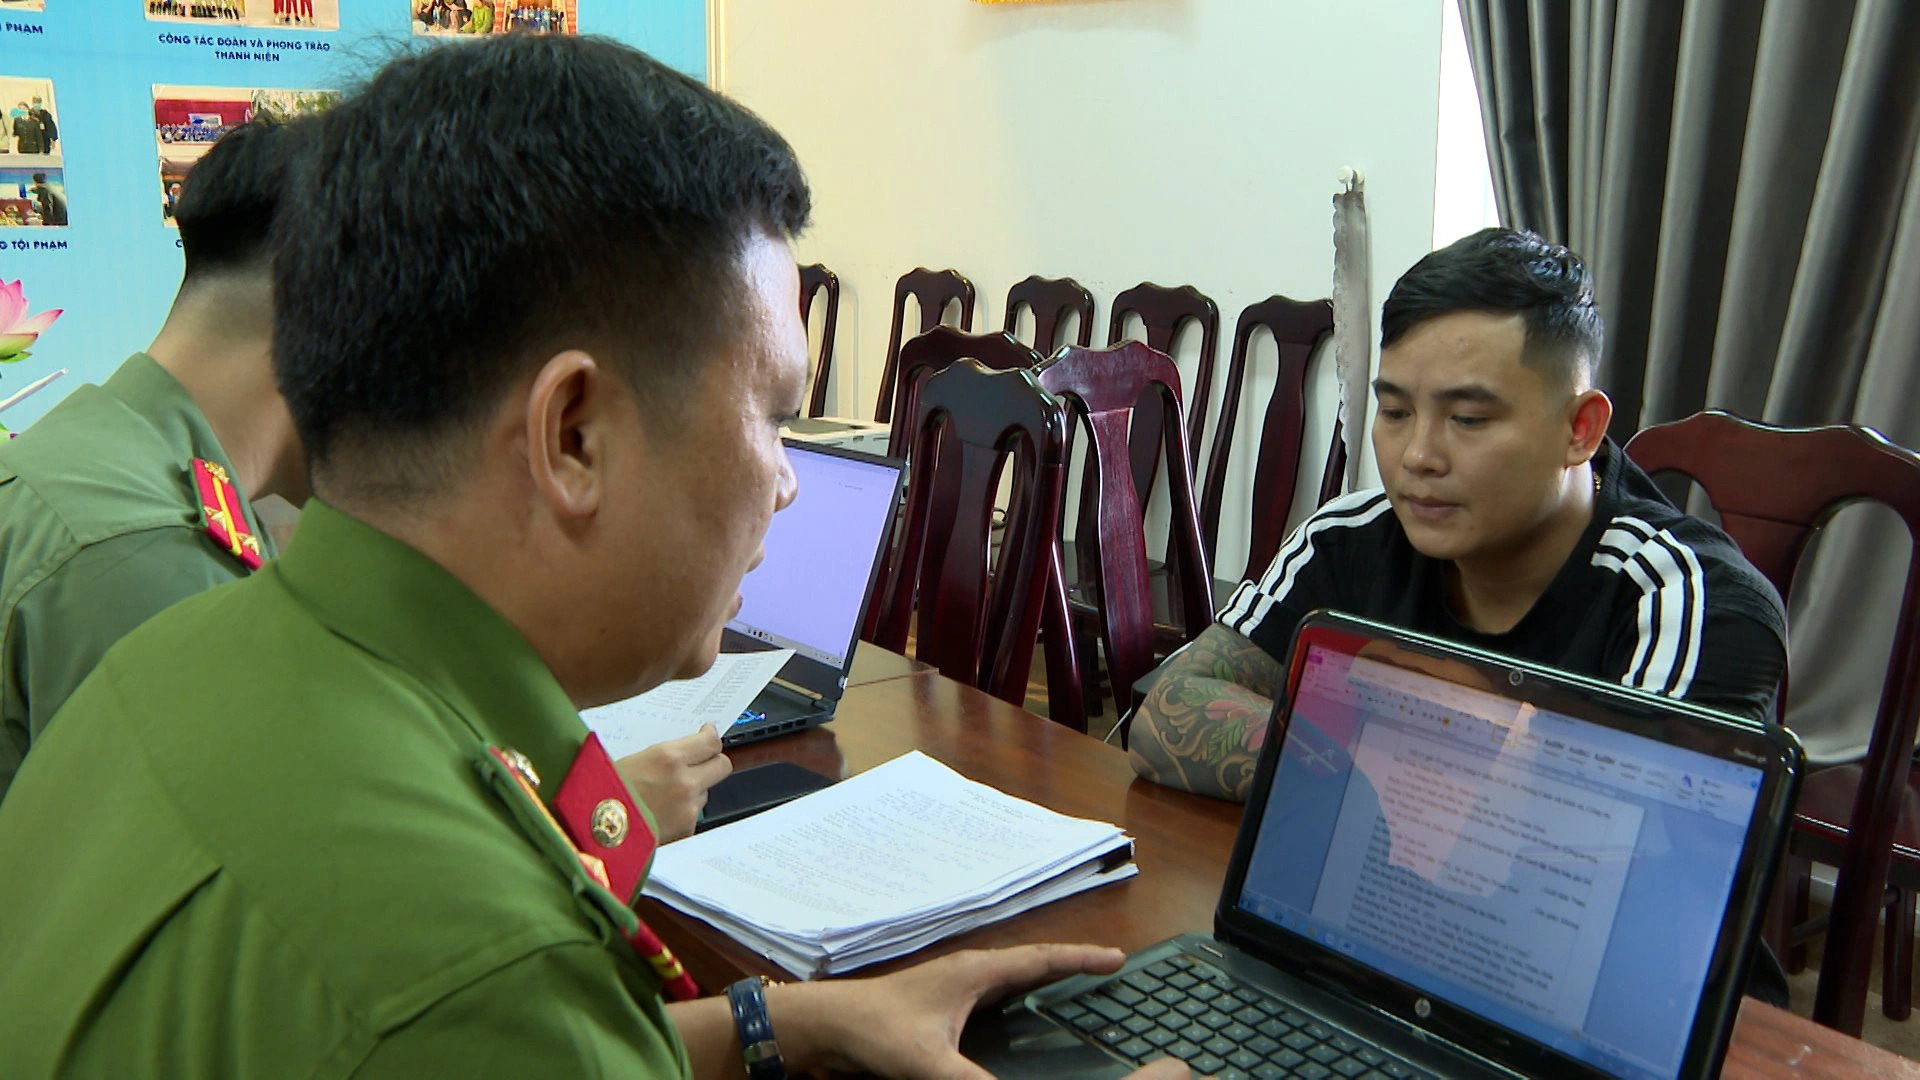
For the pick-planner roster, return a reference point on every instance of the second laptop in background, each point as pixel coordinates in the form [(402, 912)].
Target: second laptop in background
[(810, 593)]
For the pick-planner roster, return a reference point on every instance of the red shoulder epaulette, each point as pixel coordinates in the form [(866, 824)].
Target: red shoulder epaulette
[(596, 810), (226, 520)]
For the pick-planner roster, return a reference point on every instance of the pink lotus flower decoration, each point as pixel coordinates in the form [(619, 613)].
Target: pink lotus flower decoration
[(17, 329)]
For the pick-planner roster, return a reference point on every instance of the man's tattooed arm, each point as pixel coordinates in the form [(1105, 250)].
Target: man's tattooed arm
[(1204, 717)]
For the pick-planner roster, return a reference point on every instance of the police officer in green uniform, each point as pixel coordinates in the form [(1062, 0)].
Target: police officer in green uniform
[(342, 818), (132, 495), (102, 523)]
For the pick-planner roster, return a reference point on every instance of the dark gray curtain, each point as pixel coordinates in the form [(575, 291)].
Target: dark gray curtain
[(1741, 176)]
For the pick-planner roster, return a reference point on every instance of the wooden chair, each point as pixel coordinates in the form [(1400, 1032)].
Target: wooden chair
[(934, 352), (1774, 488), (815, 278), (935, 290), (1103, 389), (938, 349), (1163, 311), (1051, 300), (981, 610), (1298, 328)]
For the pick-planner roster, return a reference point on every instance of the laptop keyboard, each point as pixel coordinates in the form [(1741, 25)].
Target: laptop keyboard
[(1184, 1008)]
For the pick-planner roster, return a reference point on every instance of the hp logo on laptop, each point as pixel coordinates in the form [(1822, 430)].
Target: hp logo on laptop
[(1423, 1008), (1516, 677)]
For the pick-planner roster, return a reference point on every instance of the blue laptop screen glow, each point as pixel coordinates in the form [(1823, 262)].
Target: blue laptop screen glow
[(1560, 878), (806, 594)]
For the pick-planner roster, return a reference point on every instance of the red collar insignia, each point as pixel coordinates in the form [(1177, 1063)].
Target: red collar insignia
[(609, 836), (225, 513)]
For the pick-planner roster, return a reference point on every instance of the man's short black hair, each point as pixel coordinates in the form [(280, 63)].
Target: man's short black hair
[(226, 206), (1506, 271), (474, 210)]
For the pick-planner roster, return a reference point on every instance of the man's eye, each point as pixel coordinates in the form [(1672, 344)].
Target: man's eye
[(1392, 414), (1470, 421)]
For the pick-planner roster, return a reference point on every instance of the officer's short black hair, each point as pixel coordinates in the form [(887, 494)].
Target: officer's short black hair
[(227, 203), (472, 211), (1506, 271)]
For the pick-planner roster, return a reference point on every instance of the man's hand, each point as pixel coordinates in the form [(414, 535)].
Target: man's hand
[(908, 1024), (673, 778)]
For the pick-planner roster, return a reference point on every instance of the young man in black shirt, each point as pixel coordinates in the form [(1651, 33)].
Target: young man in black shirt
[(1507, 520)]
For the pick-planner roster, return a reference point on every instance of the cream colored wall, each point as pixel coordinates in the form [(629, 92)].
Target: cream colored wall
[(1114, 141)]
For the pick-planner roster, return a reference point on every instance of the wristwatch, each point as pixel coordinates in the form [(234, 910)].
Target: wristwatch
[(758, 1052)]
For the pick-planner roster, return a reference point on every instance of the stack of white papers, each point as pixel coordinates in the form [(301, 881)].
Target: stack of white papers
[(881, 864)]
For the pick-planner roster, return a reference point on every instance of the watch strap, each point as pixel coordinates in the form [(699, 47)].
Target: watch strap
[(758, 1051)]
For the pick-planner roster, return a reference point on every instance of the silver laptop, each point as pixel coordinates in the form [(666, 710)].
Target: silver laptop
[(810, 593), (1452, 864)]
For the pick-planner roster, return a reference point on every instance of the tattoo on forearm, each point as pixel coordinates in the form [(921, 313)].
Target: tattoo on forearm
[(1239, 661), (1203, 722)]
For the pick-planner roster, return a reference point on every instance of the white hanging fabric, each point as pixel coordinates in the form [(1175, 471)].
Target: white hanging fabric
[(1352, 311)]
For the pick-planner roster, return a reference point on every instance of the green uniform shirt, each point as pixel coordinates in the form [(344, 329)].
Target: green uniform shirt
[(262, 840), (100, 529)]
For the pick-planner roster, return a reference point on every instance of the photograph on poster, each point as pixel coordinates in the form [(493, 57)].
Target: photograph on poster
[(473, 17), (10, 6), (32, 197), (287, 14), (33, 184), (187, 120)]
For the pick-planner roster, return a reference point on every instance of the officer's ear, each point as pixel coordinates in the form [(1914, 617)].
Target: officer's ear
[(568, 429)]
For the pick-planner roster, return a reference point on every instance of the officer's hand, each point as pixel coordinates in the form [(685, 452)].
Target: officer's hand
[(908, 1024), (673, 777)]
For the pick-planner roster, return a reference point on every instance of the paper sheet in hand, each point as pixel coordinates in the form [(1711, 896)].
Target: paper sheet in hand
[(676, 709)]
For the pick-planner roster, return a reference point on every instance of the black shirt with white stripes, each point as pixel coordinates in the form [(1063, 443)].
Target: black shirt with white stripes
[(1651, 597)]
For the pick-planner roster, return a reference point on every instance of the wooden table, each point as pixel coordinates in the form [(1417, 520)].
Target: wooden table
[(1183, 842), (872, 664)]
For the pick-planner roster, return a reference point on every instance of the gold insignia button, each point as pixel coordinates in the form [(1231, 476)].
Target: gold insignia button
[(523, 765), (609, 823)]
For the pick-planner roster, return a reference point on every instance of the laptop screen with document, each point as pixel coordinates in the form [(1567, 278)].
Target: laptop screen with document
[(808, 594), (1561, 878)]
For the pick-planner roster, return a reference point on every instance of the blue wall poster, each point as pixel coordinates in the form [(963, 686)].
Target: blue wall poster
[(106, 104)]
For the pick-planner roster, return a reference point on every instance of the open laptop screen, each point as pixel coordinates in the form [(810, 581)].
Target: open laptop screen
[(1560, 878), (809, 592)]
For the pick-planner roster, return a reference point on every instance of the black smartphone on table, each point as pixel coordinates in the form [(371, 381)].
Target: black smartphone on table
[(761, 787)]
